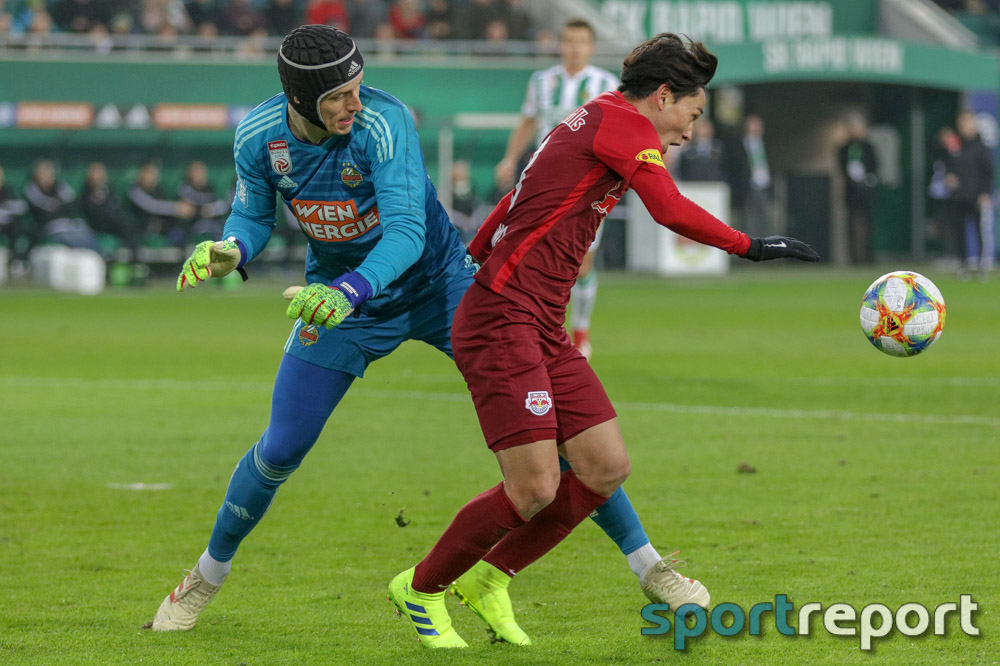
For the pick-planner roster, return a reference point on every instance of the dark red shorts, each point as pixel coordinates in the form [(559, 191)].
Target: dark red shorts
[(528, 383)]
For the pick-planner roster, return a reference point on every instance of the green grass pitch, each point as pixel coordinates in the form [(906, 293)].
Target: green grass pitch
[(877, 479)]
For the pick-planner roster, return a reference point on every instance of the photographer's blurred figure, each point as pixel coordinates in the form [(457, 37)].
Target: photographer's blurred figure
[(749, 175), (701, 159), (859, 166), (970, 177)]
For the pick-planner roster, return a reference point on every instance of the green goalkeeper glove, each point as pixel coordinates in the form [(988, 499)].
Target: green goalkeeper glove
[(210, 259), (318, 304)]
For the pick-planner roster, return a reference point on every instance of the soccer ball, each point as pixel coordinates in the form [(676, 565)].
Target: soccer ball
[(902, 313)]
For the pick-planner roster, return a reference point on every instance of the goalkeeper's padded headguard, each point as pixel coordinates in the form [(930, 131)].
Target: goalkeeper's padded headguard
[(314, 61)]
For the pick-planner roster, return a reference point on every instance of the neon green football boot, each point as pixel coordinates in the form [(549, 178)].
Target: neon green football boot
[(426, 612), (483, 589)]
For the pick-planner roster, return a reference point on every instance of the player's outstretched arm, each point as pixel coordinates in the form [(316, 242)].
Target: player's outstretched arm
[(209, 259), (779, 247), (673, 210)]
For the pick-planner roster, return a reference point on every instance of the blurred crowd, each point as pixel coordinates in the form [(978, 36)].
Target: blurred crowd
[(961, 217), (102, 21), (47, 210)]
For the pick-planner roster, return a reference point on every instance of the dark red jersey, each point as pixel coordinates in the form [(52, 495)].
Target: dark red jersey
[(535, 239)]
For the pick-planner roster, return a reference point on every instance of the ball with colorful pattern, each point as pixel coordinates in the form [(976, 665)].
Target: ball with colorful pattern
[(902, 313)]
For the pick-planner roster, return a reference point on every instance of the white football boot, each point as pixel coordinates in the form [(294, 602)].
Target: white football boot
[(180, 610), (663, 585)]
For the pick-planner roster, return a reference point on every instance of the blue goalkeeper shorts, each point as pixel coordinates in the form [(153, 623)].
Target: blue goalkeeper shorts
[(352, 349)]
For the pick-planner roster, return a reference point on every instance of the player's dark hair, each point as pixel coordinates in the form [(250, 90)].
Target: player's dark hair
[(684, 65), (576, 23)]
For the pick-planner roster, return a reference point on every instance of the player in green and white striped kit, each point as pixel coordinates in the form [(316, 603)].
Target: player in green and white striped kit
[(553, 94)]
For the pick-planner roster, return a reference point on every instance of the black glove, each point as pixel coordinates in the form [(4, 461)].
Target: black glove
[(779, 247)]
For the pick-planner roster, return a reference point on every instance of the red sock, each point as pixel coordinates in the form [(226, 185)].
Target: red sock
[(477, 527), (574, 502)]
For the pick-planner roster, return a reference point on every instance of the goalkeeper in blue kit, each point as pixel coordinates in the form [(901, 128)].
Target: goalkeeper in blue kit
[(384, 265)]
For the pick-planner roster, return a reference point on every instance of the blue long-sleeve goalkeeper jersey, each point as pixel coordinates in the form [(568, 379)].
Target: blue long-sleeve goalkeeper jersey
[(364, 200)]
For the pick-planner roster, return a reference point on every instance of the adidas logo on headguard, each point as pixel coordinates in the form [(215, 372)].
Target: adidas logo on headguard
[(354, 68)]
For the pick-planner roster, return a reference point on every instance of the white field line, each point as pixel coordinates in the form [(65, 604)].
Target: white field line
[(140, 486), (440, 396)]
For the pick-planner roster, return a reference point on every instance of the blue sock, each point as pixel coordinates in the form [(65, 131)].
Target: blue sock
[(304, 397), (618, 519), (250, 493)]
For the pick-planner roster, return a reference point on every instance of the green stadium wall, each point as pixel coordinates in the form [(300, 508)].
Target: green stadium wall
[(433, 91), (435, 88)]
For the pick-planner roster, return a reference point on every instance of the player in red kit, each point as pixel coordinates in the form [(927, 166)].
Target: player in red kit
[(535, 394)]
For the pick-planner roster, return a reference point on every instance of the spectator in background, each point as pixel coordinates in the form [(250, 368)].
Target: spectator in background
[(6, 19), (37, 26), (947, 227), (365, 16), (283, 16), (104, 213), (254, 46), (242, 19), (212, 209), (48, 199), (407, 19), (165, 18), (702, 158), (328, 12), (51, 203), (100, 37), (206, 34), (204, 11), (859, 167), (23, 14), (496, 32), (122, 24), (519, 23), (166, 39), (546, 42), (158, 215), (81, 16), (471, 19), (385, 40), (465, 206), (749, 177), (970, 177), (12, 210), (440, 19)]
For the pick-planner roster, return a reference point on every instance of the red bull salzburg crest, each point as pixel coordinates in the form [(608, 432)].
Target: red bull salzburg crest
[(538, 402)]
